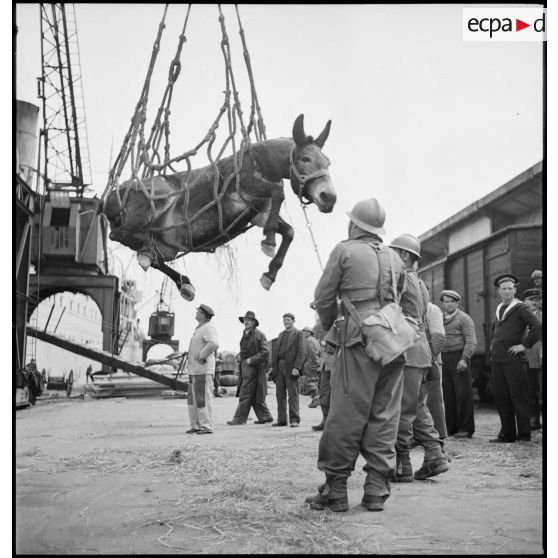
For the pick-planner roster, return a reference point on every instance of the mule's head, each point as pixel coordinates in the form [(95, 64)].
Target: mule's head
[(308, 168)]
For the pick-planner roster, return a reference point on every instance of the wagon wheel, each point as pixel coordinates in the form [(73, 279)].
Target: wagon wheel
[(70, 383)]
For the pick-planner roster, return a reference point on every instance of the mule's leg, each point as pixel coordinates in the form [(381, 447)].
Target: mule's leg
[(271, 225), (287, 235), (187, 290)]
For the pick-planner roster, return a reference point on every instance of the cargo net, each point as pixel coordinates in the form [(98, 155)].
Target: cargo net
[(150, 156)]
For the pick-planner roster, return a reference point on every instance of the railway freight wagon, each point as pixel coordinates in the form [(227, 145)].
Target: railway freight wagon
[(471, 271)]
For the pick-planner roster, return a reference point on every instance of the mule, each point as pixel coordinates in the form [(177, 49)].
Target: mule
[(200, 210)]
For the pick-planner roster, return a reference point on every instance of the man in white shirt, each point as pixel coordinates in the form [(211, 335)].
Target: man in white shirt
[(201, 368)]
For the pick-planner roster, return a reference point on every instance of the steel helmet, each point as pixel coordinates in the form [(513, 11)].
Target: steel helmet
[(369, 215), (407, 242)]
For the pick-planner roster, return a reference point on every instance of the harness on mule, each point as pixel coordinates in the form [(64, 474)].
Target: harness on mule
[(150, 155)]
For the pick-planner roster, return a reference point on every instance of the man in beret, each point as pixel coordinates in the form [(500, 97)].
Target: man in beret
[(457, 380), (534, 356), (507, 348), (201, 368), (253, 373), (288, 359)]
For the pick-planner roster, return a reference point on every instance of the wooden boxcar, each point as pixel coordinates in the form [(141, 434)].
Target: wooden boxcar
[(471, 272)]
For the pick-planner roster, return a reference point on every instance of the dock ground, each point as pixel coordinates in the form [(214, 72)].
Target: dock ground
[(121, 476)]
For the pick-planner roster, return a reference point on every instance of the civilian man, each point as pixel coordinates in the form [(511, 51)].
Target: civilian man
[(534, 357), (253, 373), (201, 368), (457, 380), (287, 364)]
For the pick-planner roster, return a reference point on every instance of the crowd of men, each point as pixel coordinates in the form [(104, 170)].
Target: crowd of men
[(377, 409)]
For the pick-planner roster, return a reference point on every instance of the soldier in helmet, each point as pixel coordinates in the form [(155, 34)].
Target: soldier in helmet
[(415, 420), (365, 396)]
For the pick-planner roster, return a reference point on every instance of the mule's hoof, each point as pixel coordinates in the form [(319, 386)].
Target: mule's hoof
[(266, 282), (144, 261), (268, 249), (187, 292)]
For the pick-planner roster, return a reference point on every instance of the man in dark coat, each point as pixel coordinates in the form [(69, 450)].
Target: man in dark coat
[(509, 380), (287, 364), (253, 373)]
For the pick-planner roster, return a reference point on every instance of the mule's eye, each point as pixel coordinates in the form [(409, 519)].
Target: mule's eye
[(306, 159)]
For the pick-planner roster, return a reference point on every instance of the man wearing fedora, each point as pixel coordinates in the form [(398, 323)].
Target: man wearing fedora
[(201, 368), (253, 373), (288, 359), (457, 380), (507, 354)]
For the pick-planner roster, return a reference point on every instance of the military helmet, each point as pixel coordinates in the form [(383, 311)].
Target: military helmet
[(369, 215), (407, 242)]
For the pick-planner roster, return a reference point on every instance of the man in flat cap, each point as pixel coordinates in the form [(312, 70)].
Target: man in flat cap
[(252, 392), (365, 396), (311, 367), (457, 380), (534, 356), (288, 359), (201, 368), (507, 348)]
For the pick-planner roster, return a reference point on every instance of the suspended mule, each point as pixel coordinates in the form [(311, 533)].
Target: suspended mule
[(167, 216)]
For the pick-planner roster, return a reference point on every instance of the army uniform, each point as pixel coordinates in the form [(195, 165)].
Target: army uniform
[(415, 420), (365, 397)]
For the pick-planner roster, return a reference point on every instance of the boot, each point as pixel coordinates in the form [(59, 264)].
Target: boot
[(315, 402), (535, 423), (321, 426), (403, 469), (334, 495), (373, 503), (432, 468), (321, 489)]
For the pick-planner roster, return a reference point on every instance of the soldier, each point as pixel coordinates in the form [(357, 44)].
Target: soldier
[(457, 380), (311, 367), (253, 371), (507, 349), (537, 278), (431, 388), (365, 396), (414, 303), (201, 367)]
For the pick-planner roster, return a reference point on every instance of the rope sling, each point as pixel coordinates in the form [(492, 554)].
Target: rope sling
[(145, 155), (147, 161)]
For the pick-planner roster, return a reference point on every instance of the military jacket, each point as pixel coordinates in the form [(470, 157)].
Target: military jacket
[(353, 269), (414, 303)]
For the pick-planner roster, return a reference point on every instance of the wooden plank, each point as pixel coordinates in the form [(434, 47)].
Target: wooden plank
[(107, 358)]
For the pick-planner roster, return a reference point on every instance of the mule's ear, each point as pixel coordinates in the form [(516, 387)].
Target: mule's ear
[(298, 131), (321, 139)]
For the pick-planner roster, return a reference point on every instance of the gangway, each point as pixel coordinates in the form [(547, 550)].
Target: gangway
[(109, 359)]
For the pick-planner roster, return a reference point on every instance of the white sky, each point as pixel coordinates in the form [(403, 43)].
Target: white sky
[(422, 120), (425, 122)]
